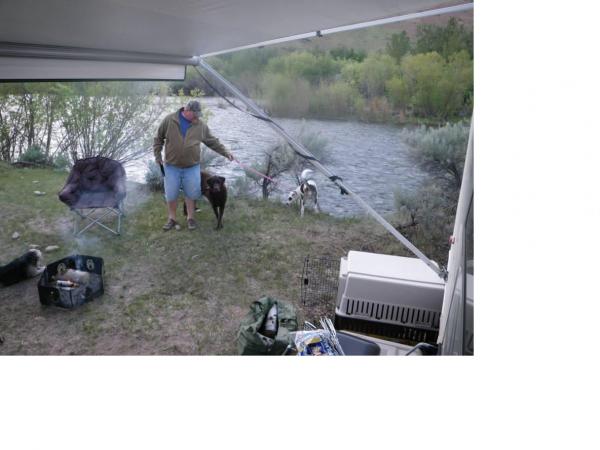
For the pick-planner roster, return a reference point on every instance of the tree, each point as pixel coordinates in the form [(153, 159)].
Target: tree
[(444, 40), (436, 87), (29, 115), (348, 53), (110, 120), (280, 158), (370, 76), (398, 46)]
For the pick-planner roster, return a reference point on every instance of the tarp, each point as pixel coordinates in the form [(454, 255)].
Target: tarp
[(175, 28)]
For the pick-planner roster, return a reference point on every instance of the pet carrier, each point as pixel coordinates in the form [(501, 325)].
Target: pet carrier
[(391, 296)]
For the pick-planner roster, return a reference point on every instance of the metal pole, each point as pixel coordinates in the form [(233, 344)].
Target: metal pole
[(357, 26), (302, 150)]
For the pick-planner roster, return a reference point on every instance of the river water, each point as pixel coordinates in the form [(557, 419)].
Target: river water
[(372, 159)]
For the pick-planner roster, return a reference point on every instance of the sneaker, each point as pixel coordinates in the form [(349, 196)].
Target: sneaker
[(192, 225), (170, 225)]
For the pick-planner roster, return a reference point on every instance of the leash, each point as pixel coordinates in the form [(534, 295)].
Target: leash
[(245, 167)]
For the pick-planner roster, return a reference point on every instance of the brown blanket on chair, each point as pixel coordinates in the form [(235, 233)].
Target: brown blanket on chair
[(95, 182)]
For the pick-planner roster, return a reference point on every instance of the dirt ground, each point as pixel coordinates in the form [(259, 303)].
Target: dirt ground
[(177, 292)]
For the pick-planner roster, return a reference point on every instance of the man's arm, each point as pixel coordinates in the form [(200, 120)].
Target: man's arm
[(159, 141), (214, 144)]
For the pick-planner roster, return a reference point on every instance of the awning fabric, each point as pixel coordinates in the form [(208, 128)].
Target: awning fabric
[(174, 28)]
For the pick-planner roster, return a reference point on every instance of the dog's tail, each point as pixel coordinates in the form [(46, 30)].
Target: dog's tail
[(306, 175)]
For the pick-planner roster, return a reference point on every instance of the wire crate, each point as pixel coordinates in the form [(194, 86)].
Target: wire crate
[(319, 285)]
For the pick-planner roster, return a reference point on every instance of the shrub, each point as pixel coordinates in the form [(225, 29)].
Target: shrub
[(437, 87), (334, 100), (154, 178), (445, 40), (397, 92), (285, 96), (370, 75), (60, 162), (310, 67), (33, 155), (377, 109), (242, 187), (441, 151), (427, 218), (281, 158)]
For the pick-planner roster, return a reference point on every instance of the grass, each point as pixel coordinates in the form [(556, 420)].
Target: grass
[(179, 292)]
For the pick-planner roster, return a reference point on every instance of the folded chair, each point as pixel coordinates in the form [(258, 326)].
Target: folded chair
[(95, 191)]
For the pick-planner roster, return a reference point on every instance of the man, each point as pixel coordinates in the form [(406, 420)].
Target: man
[(181, 133)]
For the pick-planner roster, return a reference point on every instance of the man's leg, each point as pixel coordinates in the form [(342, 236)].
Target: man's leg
[(191, 192), (190, 206), (172, 182), (172, 209)]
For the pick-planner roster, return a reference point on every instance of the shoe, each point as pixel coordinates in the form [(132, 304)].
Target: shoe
[(170, 225), (192, 225)]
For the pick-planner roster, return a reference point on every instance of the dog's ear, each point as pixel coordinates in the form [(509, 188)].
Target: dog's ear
[(222, 180)]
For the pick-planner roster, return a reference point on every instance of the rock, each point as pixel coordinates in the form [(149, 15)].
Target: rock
[(39, 193), (51, 248), (16, 235), (33, 246), (35, 181)]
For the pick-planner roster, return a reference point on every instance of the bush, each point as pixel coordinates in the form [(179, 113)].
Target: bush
[(397, 92), (436, 87), (427, 218), (60, 162), (370, 75), (34, 155), (154, 178), (441, 151), (377, 109), (445, 40), (242, 187), (281, 158), (334, 100), (286, 97), (310, 67)]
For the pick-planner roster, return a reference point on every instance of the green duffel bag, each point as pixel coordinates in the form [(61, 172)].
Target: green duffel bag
[(249, 339)]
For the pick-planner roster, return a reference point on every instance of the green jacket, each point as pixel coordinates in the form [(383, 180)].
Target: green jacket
[(180, 151)]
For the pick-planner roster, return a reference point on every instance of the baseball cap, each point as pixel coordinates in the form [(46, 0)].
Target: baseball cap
[(194, 105)]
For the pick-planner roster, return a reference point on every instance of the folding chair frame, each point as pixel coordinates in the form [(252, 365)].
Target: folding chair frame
[(80, 214)]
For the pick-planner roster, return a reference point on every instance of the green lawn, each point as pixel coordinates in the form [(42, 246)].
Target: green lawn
[(177, 292)]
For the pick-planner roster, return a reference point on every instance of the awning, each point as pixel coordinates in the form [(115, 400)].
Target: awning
[(174, 29)]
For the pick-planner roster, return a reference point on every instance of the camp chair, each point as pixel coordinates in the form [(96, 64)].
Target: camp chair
[(95, 184)]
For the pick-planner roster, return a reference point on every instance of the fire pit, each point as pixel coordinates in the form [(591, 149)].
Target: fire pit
[(72, 281)]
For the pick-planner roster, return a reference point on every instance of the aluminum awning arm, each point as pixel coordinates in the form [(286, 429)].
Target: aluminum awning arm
[(303, 151)]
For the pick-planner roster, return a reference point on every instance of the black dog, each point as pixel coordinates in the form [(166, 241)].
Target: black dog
[(214, 189), (25, 266)]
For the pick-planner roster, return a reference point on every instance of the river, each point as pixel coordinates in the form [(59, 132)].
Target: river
[(372, 159)]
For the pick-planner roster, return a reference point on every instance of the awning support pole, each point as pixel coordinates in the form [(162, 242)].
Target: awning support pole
[(302, 150)]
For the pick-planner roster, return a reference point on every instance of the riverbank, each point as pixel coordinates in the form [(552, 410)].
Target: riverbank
[(179, 292), (373, 159)]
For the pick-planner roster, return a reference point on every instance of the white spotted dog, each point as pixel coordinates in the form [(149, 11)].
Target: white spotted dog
[(307, 192)]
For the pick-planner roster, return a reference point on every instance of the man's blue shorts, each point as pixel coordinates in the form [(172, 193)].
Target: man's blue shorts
[(188, 179)]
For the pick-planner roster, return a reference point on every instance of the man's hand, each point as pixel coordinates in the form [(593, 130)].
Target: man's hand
[(159, 161), (230, 157)]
